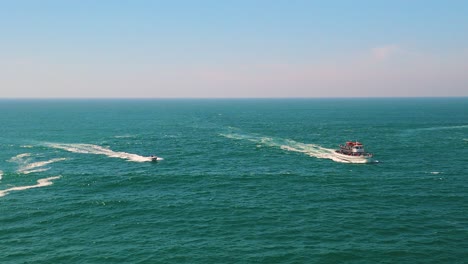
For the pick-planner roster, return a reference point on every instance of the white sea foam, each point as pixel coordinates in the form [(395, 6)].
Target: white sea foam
[(40, 183), (442, 128), (311, 150), (33, 170), (124, 136), (37, 166), (98, 150), (1, 175), (27, 167), (20, 157)]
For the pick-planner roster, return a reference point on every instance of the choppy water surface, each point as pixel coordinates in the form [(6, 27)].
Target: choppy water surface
[(241, 181)]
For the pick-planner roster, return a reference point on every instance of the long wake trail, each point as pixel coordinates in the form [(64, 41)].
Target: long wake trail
[(40, 183), (27, 167), (312, 150), (98, 150)]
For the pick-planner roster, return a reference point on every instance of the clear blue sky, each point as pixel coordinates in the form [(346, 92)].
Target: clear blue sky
[(88, 48)]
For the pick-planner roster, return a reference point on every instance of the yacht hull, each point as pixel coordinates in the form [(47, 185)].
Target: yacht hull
[(354, 159)]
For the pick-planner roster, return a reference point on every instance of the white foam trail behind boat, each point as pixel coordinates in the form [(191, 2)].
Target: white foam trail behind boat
[(98, 150), (20, 157), (37, 166), (311, 150), (40, 183), (125, 136), (26, 167), (443, 128)]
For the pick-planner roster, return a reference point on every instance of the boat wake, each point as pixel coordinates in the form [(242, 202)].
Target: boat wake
[(311, 150), (441, 128), (98, 150), (37, 166), (40, 183), (27, 167), (125, 136), (20, 157)]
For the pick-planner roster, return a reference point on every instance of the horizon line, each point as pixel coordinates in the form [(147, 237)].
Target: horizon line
[(227, 98)]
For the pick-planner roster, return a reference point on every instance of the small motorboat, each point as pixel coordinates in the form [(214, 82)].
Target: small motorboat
[(353, 151), (155, 158)]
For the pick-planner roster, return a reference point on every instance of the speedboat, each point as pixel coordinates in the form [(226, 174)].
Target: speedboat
[(353, 151), (155, 158)]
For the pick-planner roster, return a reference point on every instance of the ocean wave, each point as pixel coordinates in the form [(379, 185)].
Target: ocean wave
[(40, 183), (98, 150), (312, 150), (1, 175)]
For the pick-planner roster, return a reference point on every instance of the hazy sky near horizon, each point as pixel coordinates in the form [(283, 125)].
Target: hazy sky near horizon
[(242, 48)]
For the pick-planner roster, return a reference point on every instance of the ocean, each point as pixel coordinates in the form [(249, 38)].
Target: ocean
[(242, 181)]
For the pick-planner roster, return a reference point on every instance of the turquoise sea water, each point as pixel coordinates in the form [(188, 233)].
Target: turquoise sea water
[(242, 181)]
